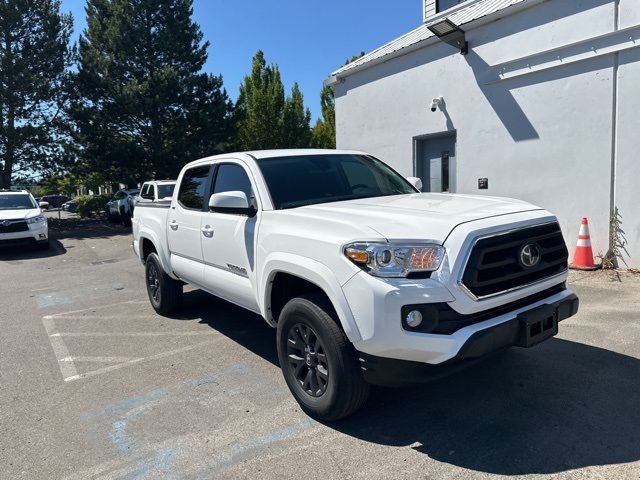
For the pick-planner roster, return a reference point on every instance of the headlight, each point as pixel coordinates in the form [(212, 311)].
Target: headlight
[(36, 219), (395, 259)]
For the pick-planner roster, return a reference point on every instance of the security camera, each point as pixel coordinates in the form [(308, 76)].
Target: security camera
[(436, 103)]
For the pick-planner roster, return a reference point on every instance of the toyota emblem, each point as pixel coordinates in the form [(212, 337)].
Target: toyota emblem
[(530, 255)]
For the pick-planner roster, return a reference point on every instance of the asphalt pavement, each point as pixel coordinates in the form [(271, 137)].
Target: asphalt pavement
[(94, 384)]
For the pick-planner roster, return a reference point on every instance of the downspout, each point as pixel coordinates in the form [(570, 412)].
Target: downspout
[(614, 143)]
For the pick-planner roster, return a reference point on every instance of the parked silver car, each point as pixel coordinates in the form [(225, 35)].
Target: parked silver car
[(120, 207)]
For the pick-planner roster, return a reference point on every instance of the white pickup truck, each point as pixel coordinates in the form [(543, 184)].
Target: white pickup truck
[(367, 280)]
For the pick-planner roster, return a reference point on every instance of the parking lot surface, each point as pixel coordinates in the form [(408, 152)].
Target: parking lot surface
[(94, 384)]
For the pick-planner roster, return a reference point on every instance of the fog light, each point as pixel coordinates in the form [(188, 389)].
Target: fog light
[(414, 318)]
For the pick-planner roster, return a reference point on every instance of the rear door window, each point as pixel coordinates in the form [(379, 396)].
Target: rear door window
[(193, 187)]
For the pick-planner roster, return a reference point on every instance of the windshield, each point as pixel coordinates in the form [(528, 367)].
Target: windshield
[(17, 202), (310, 179), (165, 191)]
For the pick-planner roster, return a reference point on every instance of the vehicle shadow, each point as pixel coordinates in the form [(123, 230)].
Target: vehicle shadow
[(32, 253), (559, 406), (243, 327)]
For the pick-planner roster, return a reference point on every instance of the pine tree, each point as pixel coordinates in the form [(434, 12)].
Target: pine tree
[(323, 134), (324, 131), (265, 118), (34, 58), (143, 107), (260, 107), (296, 119)]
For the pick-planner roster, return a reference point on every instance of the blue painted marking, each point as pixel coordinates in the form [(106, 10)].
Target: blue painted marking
[(52, 299), (126, 404), (161, 462), (244, 450), (119, 413), (120, 438)]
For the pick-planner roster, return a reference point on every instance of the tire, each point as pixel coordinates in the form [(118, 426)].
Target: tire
[(310, 340), (164, 292), (45, 245)]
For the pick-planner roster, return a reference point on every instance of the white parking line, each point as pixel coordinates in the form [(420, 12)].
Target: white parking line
[(101, 317), (96, 359), (134, 334), (110, 368), (63, 314), (66, 361), (68, 369)]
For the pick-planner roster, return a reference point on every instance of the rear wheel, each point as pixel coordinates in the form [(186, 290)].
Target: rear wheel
[(318, 362), (164, 292)]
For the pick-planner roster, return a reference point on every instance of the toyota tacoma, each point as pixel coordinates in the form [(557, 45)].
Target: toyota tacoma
[(366, 279)]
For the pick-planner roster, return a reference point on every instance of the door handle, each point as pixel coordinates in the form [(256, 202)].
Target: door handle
[(207, 231), (174, 225)]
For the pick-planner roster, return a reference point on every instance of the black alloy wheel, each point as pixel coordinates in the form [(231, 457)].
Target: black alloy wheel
[(153, 283), (307, 359)]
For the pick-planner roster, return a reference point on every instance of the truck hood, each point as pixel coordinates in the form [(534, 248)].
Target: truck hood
[(420, 216)]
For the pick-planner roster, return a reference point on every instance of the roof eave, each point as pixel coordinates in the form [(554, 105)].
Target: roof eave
[(339, 77)]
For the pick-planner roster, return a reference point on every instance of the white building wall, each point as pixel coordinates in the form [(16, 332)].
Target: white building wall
[(546, 137)]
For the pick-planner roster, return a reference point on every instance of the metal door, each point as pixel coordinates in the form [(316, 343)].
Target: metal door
[(436, 163)]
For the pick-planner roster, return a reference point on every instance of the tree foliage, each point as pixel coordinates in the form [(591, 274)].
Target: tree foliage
[(260, 106), (143, 106), (296, 119), (266, 119), (324, 131), (34, 60), (65, 184)]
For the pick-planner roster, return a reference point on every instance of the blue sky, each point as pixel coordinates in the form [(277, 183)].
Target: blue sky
[(308, 39)]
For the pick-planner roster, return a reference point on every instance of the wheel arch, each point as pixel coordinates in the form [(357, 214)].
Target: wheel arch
[(286, 276), (149, 243)]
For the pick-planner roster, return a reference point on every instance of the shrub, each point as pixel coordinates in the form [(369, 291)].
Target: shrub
[(91, 205)]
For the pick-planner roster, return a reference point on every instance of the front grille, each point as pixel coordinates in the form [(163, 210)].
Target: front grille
[(494, 265), (14, 226)]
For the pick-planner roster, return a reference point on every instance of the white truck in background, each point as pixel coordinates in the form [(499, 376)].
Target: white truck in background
[(367, 280)]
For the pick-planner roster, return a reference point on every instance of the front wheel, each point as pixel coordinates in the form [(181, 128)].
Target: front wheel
[(164, 292), (318, 362)]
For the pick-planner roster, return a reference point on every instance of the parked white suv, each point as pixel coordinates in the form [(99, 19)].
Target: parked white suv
[(367, 280), (21, 220)]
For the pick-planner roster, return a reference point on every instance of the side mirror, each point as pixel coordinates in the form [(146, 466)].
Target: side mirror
[(233, 202), (44, 205), (416, 182)]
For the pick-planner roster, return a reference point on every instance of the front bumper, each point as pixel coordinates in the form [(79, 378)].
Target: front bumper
[(376, 306), (37, 233), (525, 329)]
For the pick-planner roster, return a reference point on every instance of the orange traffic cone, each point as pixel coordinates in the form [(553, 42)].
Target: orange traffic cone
[(583, 257)]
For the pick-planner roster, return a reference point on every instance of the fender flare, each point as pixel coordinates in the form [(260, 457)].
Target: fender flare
[(165, 262), (313, 272)]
